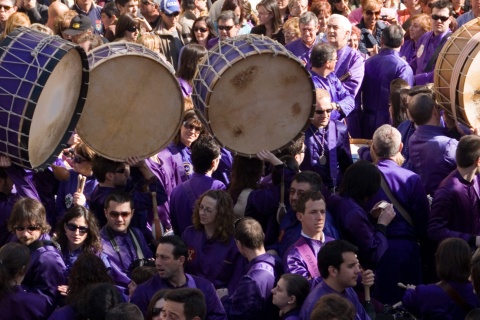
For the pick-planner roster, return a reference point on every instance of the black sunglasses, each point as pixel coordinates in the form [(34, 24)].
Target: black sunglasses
[(77, 159), (73, 227), (191, 126), (441, 18), (202, 30), (320, 112), (171, 15), (6, 7), (371, 13), (226, 28), (29, 228), (132, 29), (156, 311)]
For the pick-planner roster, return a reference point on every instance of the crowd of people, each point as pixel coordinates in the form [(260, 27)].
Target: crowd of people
[(306, 233)]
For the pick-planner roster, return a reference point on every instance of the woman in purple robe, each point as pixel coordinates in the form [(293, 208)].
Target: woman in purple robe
[(420, 24), (289, 295)]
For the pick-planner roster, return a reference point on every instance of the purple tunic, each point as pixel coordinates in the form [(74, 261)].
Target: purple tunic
[(455, 209), (186, 87), (338, 93), (24, 305), (218, 262), (380, 70), (64, 313), (253, 295), (121, 261), (335, 144), (426, 46), (302, 51), (322, 289), (407, 51), (183, 197), (432, 155), (144, 292), (432, 302), (406, 128)]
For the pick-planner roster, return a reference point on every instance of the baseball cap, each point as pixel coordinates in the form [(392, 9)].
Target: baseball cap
[(169, 6), (79, 24)]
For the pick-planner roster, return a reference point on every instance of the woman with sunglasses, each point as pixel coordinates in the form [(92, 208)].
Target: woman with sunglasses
[(127, 29), (202, 31), (340, 7), (155, 307), (237, 7), (269, 21), (68, 193), (371, 27)]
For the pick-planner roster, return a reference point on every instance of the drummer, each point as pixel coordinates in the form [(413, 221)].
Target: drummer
[(228, 27)]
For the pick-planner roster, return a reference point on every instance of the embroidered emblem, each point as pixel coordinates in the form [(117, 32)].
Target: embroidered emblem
[(68, 200), (420, 51)]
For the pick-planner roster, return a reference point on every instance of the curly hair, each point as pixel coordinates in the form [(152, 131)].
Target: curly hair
[(224, 219)]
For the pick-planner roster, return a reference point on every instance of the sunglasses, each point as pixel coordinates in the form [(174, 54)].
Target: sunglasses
[(115, 214), (171, 15), (441, 18), (29, 228), (6, 8), (156, 311), (320, 112), (202, 30), (73, 227), (77, 159), (121, 170), (226, 28), (191, 126), (371, 13), (132, 29)]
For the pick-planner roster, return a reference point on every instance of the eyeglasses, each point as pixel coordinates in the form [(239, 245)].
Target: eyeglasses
[(226, 28), (78, 159), (320, 112), (441, 18), (371, 13), (73, 227), (29, 228), (156, 311), (6, 8), (121, 170), (171, 15), (115, 214), (191, 126), (205, 209), (289, 33), (132, 29), (202, 30)]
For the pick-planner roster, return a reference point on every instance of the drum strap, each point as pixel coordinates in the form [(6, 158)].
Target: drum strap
[(434, 57), (395, 202), (332, 144)]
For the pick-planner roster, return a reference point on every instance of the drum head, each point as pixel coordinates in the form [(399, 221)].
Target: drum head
[(469, 89), (134, 105)]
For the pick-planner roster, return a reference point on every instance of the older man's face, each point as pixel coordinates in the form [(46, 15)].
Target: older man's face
[(308, 32), (6, 9)]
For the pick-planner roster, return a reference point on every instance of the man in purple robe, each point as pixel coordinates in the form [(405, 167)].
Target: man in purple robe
[(327, 143), (340, 270), (349, 68), (172, 253), (380, 70), (302, 47), (301, 258), (205, 160), (455, 207), (427, 53), (123, 245)]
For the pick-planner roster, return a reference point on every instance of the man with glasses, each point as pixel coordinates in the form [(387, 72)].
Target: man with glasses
[(380, 70), (150, 11), (7, 7), (302, 48), (228, 27), (430, 44), (327, 143), (125, 246)]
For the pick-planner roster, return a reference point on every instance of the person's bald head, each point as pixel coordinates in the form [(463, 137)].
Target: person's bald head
[(55, 9)]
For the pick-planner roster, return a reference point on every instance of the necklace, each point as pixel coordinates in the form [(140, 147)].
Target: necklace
[(322, 159)]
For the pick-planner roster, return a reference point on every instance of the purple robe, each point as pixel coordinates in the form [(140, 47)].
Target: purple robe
[(322, 289), (334, 142), (64, 313), (432, 155), (338, 94), (351, 61), (380, 70), (218, 262), (432, 302), (406, 128), (302, 51), (144, 293), (426, 46), (293, 314), (121, 261), (224, 167), (186, 87), (253, 295), (20, 304), (455, 209), (183, 197), (407, 51)]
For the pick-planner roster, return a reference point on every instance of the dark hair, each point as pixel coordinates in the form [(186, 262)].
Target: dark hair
[(88, 269), (118, 196), (187, 4), (179, 247), (97, 299), (110, 9), (84, 151), (321, 54), (92, 242), (452, 260), (211, 29), (310, 177), (399, 89), (468, 151), (124, 311), (193, 301), (189, 59), (14, 259), (190, 117), (271, 6), (249, 232), (305, 197), (227, 15), (125, 21), (298, 286), (361, 181), (427, 89), (232, 5), (157, 296), (392, 36), (475, 274), (442, 4), (204, 151), (101, 166), (94, 40), (333, 307), (224, 219), (143, 274), (294, 148), (246, 173), (421, 108), (331, 255), (31, 210), (121, 2)]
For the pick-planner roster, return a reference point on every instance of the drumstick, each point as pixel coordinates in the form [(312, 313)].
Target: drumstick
[(401, 285), (81, 183), (157, 230), (396, 305), (367, 293)]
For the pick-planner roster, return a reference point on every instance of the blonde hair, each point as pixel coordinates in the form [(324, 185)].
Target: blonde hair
[(62, 22), (293, 23), (150, 41), (42, 28), (16, 20)]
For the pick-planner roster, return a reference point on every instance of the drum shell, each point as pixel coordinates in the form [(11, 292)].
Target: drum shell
[(44, 83)]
